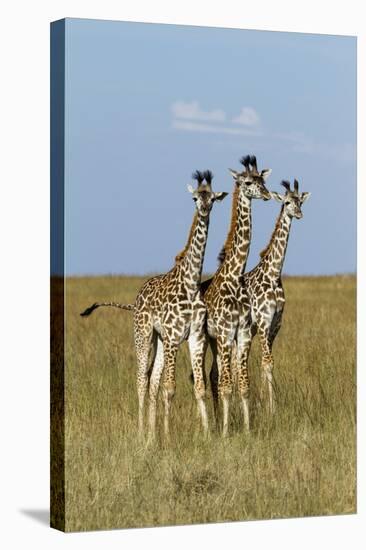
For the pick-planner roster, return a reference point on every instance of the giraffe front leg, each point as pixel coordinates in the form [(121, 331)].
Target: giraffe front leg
[(170, 355), (197, 343), (244, 342), (154, 388), (224, 349), (267, 365)]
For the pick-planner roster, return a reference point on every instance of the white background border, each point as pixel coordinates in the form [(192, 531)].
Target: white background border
[(24, 225)]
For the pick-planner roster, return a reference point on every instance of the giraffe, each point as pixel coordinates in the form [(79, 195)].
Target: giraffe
[(164, 315), (262, 287), (225, 315)]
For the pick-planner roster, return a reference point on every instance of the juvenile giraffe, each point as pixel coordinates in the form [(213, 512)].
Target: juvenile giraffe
[(263, 288), (225, 314), (164, 315)]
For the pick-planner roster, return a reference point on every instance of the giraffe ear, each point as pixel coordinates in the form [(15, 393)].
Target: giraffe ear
[(304, 197), (266, 173), (220, 195), (190, 188), (277, 196), (234, 173)]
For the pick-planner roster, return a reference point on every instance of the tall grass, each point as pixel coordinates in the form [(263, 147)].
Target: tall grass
[(301, 462)]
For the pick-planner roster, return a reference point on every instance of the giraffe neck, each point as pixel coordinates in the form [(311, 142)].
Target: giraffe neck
[(191, 263), (274, 254), (238, 250)]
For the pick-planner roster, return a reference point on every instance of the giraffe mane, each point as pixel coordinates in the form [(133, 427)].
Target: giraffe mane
[(267, 248), (179, 257), (234, 217)]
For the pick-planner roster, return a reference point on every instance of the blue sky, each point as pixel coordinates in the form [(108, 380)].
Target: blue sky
[(148, 104)]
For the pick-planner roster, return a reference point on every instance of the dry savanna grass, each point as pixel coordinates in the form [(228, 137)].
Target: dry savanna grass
[(301, 462)]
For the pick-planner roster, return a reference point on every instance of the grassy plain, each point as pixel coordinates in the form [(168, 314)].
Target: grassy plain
[(301, 462)]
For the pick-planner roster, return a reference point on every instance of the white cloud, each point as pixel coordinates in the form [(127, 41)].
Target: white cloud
[(247, 117), (189, 117), (191, 110), (192, 126)]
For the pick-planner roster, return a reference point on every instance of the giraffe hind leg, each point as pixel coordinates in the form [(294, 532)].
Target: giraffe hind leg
[(273, 331), (275, 327), (154, 383), (214, 381), (144, 343), (277, 318)]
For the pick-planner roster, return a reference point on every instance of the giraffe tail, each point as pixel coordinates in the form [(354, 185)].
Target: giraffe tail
[(89, 310)]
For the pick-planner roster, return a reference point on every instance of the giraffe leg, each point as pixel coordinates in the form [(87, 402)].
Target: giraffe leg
[(214, 380), (197, 343), (275, 326), (244, 341), (267, 364), (143, 345), (273, 331), (224, 349), (234, 364), (170, 355), (277, 318), (154, 387)]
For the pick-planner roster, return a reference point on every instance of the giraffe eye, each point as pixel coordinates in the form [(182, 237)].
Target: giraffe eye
[(287, 202), (195, 199)]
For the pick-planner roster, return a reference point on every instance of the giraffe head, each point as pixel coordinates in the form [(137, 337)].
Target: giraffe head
[(291, 200), (250, 181), (204, 196)]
